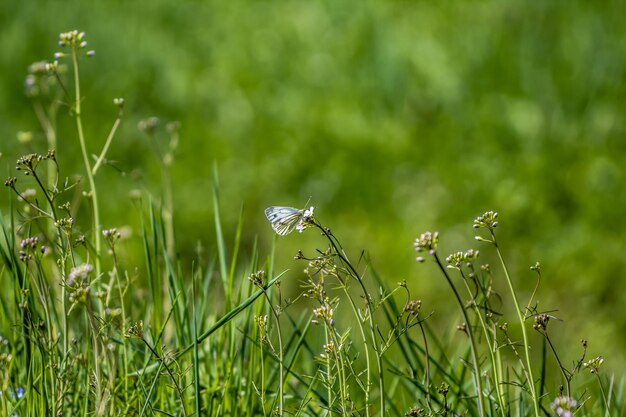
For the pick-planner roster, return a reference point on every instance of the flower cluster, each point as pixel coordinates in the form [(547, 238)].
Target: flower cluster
[(541, 322), (316, 291), (322, 265), (487, 220), (329, 349), (306, 220), (258, 278), (28, 163), (594, 364), (10, 182), (458, 259), (426, 242), (78, 284), (111, 236), (149, 125), (65, 224), (325, 312), (29, 248), (261, 323), (135, 330), (5, 357), (413, 307), (415, 412), (564, 406), (73, 39)]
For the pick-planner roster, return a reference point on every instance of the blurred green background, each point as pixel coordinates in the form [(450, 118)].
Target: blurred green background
[(393, 117)]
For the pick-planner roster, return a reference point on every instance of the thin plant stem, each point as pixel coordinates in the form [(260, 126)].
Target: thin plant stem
[(83, 148), (492, 348), (470, 333), (520, 316), (426, 364), (604, 399), (329, 387), (105, 148), (169, 372), (280, 355), (370, 313), (337, 351)]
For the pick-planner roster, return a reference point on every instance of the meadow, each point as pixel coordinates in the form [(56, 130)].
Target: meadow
[(140, 275)]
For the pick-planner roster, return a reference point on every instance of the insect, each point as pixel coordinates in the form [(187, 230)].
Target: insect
[(285, 219)]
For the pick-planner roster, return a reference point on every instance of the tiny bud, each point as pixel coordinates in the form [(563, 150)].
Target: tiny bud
[(91, 53)]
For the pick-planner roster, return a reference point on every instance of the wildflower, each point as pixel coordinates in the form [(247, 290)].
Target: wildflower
[(413, 307), (135, 330), (487, 220), (28, 248), (325, 312), (455, 260), (29, 195), (306, 220), (541, 322), (258, 278), (426, 242), (261, 322), (28, 163), (329, 349), (111, 236), (594, 364), (564, 406), (72, 38), (414, 412), (149, 125), (17, 394), (10, 182), (79, 275), (65, 223)]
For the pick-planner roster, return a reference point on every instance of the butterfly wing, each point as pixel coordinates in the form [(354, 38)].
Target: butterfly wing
[(283, 219)]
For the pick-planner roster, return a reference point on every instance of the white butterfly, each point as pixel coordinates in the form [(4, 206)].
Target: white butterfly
[(285, 219)]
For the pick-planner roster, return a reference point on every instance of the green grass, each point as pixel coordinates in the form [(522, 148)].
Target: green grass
[(458, 108), (89, 328)]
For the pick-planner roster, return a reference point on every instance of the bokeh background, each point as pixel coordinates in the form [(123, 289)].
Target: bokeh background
[(392, 117)]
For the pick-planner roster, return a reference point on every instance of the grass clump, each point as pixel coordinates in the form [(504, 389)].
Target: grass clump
[(86, 333)]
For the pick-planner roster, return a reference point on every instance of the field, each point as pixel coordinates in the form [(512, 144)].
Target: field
[(456, 171)]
